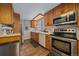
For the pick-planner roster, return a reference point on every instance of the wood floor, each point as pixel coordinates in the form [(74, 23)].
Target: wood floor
[(27, 49)]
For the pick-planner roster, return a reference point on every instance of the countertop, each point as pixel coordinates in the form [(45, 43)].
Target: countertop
[(15, 34), (5, 39), (41, 32)]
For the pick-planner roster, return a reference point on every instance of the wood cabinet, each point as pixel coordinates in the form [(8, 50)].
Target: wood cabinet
[(33, 23), (47, 38), (77, 9), (35, 20), (58, 10), (48, 17), (6, 13), (68, 7), (35, 36), (53, 13), (16, 27)]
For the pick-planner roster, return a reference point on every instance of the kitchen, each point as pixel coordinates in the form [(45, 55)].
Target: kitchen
[(49, 29)]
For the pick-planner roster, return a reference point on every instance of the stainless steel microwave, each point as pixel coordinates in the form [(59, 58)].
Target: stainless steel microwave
[(66, 18)]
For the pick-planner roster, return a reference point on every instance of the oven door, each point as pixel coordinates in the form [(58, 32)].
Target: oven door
[(64, 47)]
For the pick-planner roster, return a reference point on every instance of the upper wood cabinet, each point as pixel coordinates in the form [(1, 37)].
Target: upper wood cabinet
[(48, 17), (68, 7), (6, 13), (53, 13), (16, 27), (35, 20), (77, 9), (33, 23), (58, 10)]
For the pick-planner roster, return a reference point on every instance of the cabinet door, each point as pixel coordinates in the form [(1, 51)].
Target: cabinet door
[(35, 36), (33, 23), (16, 23), (50, 18), (68, 7), (58, 10), (6, 13), (47, 41), (32, 35), (46, 19), (77, 9)]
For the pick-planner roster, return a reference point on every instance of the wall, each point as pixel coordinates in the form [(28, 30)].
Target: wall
[(26, 32)]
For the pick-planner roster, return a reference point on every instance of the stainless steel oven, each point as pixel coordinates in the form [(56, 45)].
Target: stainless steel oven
[(63, 46), (64, 40)]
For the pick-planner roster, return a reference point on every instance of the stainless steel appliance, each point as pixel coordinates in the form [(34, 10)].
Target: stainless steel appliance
[(67, 18), (63, 46), (64, 40), (10, 49)]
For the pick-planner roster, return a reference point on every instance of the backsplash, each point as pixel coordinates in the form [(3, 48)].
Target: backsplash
[(5, 30), (50, 29)]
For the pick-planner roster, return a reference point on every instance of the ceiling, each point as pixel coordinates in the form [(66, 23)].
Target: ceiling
[(28, 11)]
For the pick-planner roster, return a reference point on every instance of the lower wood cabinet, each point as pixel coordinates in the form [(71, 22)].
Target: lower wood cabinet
[(78, 47), (35, 36), (45, 42), (47, 38), (33, 23)]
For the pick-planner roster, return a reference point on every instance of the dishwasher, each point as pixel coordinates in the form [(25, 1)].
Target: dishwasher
[(10, 49), (42, 39)]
